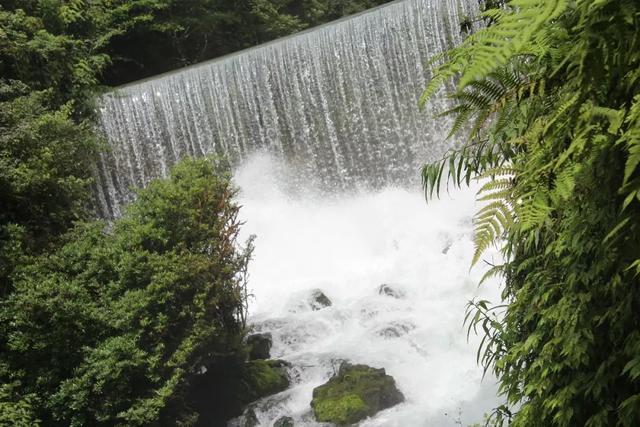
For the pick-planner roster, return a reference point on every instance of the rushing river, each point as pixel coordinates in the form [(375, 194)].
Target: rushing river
[(347, 247)]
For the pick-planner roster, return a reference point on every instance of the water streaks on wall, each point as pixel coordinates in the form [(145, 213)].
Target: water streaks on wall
[(337, 103)]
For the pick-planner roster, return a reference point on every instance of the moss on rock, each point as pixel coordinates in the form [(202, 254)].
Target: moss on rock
[(265, 377), (224, 391), (343, 409), (356, 392)]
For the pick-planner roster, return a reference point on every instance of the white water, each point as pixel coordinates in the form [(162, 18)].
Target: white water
[(338, 106), (339, 102), (348, 247)]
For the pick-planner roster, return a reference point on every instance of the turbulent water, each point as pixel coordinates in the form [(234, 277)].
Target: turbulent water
[(339, 103), (326, 140), (347, 247)]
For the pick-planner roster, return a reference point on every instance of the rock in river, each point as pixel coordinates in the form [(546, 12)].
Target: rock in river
[(318, 300), (265, 377), (284, 422), (355, 393), (387, 290), (259, 346)]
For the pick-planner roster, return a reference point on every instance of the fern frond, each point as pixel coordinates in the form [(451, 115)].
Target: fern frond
[(501, 205), (632, 139), (498, 171), (496, 270), (484, 237), (497, 184), (479, 123), (535, 212), (564, 184), (494, 218), (510, 35), (462, 112), (561, 111), (441, 75), (491, 89), (497, 195)]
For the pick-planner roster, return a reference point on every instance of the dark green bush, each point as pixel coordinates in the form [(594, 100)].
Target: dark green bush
[(110, 328)]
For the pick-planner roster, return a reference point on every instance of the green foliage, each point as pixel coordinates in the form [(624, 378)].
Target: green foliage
[(548, 95), (184, 32), (15, 410), (44, 176), (72, 45), (63, 46), (110, 328), (51, 55)]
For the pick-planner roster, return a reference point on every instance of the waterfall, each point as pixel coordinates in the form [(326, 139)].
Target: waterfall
[(329, 111), (338, 103)]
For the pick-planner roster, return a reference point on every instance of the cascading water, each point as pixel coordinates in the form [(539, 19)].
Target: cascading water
[(326, 140), (339, 103), (348, 247)]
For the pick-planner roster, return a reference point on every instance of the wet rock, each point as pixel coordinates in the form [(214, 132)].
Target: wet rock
[(283, 422), (249, 418), (259, 346), (355, 393), (387, 290), (395, 329), (279, 363), (275, 404), (231, 385), (318, 300), (265, 377)]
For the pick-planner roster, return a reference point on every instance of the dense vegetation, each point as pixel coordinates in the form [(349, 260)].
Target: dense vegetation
[(187, 31), (549, 98), (68, 44), (108, 328), (101, 324)]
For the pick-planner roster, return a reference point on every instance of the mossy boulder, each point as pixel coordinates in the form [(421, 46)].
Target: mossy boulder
[(265, 377), (225, 390), (355, 393)]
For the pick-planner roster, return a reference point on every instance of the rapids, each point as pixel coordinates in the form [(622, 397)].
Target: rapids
[(348, 246)]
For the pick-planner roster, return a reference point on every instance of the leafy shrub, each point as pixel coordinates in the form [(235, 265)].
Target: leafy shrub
[(549, 98), (110, 328), (44, 176)]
